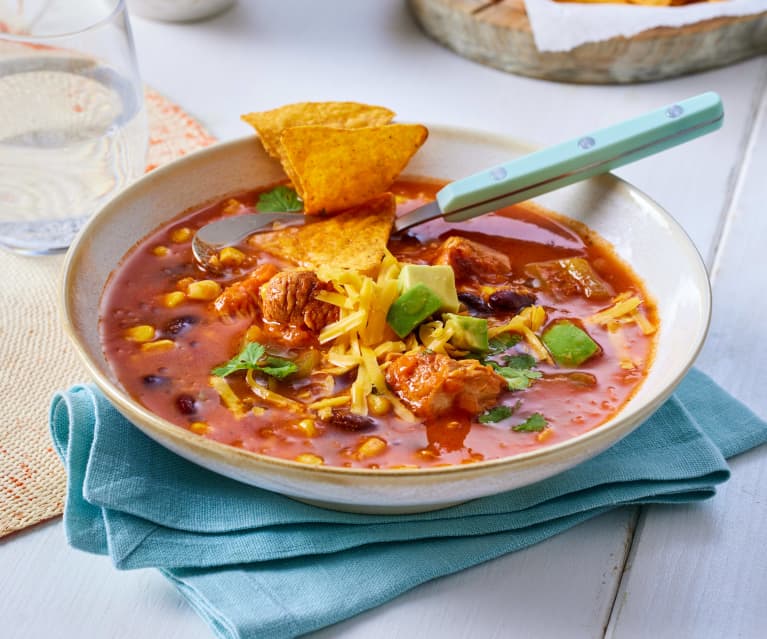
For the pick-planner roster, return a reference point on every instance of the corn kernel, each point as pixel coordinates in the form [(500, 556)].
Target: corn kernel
[(232, 206), (203, 290), (171, 300), (378, 405), (230, 256), (160, 251), (307, 427), (184, 283), (371, 447), (199, 427), (179, 235), (258, 410), (310, 458), (158, 346), (141, 333), (545, 434)]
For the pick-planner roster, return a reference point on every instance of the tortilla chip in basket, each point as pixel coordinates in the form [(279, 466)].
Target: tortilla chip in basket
[(355, 239), (334, 169), (270, 124)]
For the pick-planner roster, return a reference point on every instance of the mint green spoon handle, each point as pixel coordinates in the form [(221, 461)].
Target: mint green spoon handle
[(573, 161)]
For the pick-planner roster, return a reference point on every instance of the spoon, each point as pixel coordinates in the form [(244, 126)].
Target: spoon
[(521, 179)]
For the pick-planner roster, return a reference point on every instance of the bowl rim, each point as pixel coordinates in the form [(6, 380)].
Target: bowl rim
[(598, 437)]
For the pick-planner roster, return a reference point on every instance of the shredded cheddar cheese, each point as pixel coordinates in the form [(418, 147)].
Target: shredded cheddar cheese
[(228, 396), (270, 396), (361, 336), (624, 309), (526, 322)]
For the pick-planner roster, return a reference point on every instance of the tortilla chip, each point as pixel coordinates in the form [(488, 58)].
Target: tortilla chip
[(355, 239), (349, 115), (334, 169)]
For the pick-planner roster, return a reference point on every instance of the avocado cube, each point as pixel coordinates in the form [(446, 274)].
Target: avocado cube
[(440, 279), (411, 308), (469, 333), (569, 344)]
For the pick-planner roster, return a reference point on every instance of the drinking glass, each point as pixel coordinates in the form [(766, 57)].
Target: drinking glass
[(73, 128)]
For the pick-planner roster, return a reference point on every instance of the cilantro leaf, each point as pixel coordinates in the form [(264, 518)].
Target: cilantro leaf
[(517, 370), (253, 357), (281, 199), (503, 342), (278, 367), (516, 378), (246, 359), (523, 360), (497, 413), (533, 424)]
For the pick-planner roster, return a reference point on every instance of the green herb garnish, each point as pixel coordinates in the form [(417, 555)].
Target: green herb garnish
[(281, 199), (533, 424), (517, 370), (254, 357), (503, 342), (497, 413), (523, 360), (517, 378)]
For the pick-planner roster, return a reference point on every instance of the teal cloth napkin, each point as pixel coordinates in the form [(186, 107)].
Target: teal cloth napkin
[(256, 564)]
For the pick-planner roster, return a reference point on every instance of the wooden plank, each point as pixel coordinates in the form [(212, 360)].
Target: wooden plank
[(47, 589), (77, 595), (701, 570), (516, 591)]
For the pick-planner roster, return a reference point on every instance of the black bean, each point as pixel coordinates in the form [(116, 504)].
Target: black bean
[(154, 380), (474, 303), (347, 421), (510, 300), (186, 404), (180, 324)]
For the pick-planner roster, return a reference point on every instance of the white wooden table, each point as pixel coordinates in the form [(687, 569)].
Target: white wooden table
[(682, 571)]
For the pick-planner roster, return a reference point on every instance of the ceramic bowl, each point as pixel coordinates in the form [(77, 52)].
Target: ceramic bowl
[(641, 231)]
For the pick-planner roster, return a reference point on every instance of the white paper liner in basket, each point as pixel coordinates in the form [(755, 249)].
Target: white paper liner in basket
[(559, 26)]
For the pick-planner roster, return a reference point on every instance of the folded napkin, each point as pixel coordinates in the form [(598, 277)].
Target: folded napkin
[(256, 564)]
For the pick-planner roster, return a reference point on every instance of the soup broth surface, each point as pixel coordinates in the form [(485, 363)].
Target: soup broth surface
[(164, 333)]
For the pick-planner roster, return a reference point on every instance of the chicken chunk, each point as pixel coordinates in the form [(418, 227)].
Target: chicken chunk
[(472, 260), (432, 384), (569, 277), (241, 299), (289, 299)]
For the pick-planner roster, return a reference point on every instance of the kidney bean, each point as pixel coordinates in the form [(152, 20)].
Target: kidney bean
[(179, 324), (348, 421), (510, 300), (475, 303), (186, 404)]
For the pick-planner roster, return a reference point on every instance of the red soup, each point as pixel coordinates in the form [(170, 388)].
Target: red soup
[(465, 342)]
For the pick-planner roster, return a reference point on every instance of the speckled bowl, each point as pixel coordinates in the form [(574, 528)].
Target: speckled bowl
[(640, 230)]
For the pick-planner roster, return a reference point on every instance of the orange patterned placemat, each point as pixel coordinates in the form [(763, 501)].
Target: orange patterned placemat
[(36, 357)]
